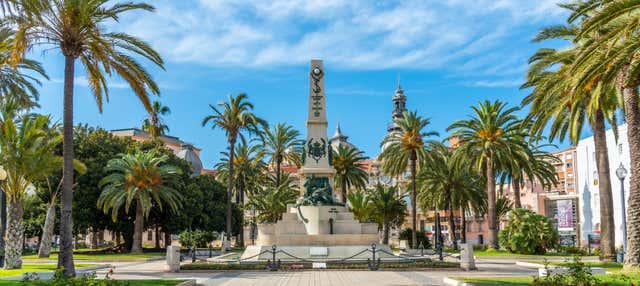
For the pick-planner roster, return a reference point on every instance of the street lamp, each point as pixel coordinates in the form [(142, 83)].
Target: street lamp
[(3, 214), (621, 172)]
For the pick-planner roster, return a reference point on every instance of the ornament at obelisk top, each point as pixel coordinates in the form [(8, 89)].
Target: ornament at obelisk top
[(316, 172)]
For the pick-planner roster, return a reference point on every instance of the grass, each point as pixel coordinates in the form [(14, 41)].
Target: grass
[(102, 256), (613, 267), (609, 279), (128, 282), (33, 268), (504, 253), (289, 266)]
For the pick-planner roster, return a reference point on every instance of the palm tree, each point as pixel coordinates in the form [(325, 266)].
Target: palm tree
[(612, 58), (347, 161), (360, 205), (79, 30), (248, 166), (27, 153), (556, 101), (406, 147), (281, 144), (388, 208), (16, 81), (154, 125), (271, 203), (139, 179), (234, 117), (490, 138), (503, 207), (449, 185)]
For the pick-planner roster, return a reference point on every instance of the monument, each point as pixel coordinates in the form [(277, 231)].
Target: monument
[(316, 227)]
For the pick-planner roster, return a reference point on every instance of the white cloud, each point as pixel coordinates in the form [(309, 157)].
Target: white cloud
[(462, 35)]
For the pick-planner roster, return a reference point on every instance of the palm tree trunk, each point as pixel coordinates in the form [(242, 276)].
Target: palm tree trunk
[(138, 226), (343, 186), (516, 193), (47, 231), (491, 204), (414, 209), (230, 188), (278, 165), (463, 226), (632, 116), (452, 223), (385, 237), (14, 235), (157, 237), (607, 226), (65, 258), (241, 234)]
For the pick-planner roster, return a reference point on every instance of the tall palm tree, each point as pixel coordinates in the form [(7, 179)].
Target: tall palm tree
[(140, 179), (612, 58), (556, 101), (347, 161), (16, 80), (406, 148), (360, 205), (234, 117), (490, 138), (154, 125), (27, 153), (271, 203), (281, 144), (389, 209), (449, 186), (248, 166), (79, 29)]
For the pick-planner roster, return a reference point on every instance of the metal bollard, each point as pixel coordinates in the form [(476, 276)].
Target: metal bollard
[(193, 255), (210, 251), (273, 264), (373, 264)]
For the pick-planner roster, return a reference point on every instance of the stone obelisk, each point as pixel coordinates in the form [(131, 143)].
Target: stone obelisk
[(316, 169)]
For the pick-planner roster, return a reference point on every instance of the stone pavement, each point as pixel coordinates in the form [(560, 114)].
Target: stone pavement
[(153, 270)]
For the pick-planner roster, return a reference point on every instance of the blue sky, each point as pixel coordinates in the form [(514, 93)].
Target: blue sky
[(449, 55)]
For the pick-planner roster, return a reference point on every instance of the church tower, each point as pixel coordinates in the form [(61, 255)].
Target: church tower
[(399, 107)]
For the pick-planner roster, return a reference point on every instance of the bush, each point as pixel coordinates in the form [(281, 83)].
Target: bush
[(422, 238), (59, 279), (480, 247), (577, 274), (571, 250), (201, 238), (528, 233)]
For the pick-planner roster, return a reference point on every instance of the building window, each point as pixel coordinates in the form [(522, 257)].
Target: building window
[(569, 165), (620, 149), (480, 227), (150, 235)]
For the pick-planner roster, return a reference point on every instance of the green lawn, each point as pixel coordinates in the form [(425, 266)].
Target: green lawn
[(610, 279), (504, 253), (33, 268), (102, 257), (608, 266), (129, 283)]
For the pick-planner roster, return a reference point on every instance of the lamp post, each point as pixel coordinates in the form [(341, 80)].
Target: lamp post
[(3, 214), (621, 172)]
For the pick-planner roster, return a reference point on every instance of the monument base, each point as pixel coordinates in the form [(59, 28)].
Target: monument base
[(350, 253)]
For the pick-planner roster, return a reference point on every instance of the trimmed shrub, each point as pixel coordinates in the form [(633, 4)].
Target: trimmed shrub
[(422, 238), (527, 232)]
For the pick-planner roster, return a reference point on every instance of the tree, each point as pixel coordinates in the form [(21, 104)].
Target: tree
[(79, 30), (403, 148), (271, 203), (492, 136), (141, 178), (154, 125), (449, 185), (557, 101), (360, 205), (248, 166), (27, 145), (389, 209), (611, 58), (281, 144), (234, 117), (347, 161)]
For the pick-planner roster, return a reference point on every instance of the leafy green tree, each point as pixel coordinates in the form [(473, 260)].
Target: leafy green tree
[(141, 178), (271, 203), (405, 149), (234, 117), (490, 138), (389, 209), (281, 143), (449, 185), (27, 153), (197, 238), (350, 173), (154, 125), (360, 206), (79, 30), (527, 232), (34, 216)]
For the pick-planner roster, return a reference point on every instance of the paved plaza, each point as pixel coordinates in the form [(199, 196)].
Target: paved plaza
[(153, 269)]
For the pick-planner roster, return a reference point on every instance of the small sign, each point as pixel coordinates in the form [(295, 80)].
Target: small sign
[(319, 265)]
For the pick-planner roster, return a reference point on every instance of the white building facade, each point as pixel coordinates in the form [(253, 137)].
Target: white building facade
[(587, 183)]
